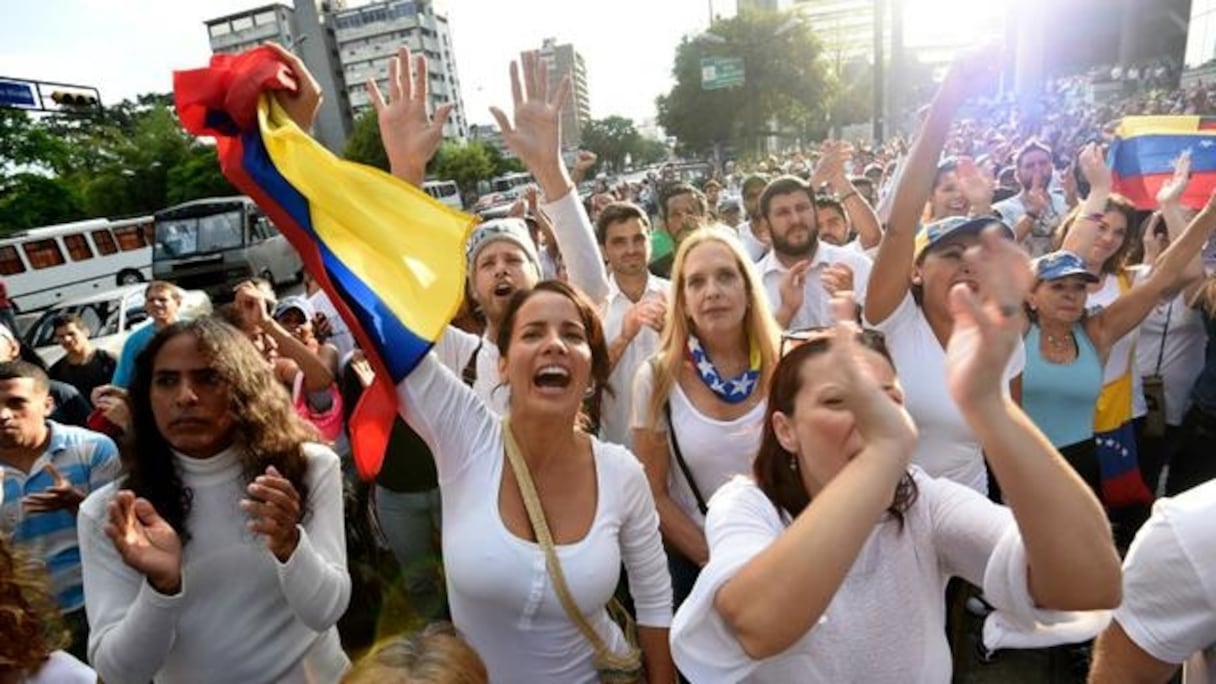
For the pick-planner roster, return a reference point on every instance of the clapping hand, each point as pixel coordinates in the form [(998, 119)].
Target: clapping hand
[(837, 278), (1094, 168), (145, 541), (987, 325), (60, 496), (650, 311), (1171, 191), (274, 512), (535, 133), (410, 135), (977, 185)]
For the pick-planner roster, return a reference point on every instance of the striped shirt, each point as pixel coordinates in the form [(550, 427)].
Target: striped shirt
[(89, 460)]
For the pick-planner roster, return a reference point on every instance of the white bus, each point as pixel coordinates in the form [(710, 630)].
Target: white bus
[(444, 191), (44, 266), (510, 183)]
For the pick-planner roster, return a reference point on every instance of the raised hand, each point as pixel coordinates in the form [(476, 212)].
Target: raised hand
[(1171, 191), (61, 496), (535, 133), (145, 541), (1094, 168), (837, 278), (274, 512), (410, 135), (987, 326), (1037, 200), (302, 105), (582, 164), (977, 185), (251, 304), (793, 291), (834, 154)]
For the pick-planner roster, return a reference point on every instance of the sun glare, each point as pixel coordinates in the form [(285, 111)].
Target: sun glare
[(953, 22)]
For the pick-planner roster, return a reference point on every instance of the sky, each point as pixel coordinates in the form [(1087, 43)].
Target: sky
[(129, 47)]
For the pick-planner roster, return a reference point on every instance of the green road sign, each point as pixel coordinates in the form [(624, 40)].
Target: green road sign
[(721, 72)]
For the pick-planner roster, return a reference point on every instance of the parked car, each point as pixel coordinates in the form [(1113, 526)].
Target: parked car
[(110, 316)]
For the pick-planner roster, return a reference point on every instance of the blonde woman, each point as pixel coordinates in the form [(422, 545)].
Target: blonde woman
[(699, 403)]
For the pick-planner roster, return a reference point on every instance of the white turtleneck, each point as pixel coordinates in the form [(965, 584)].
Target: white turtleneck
[(241, 616)]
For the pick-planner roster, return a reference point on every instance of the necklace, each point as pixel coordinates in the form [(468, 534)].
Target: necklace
[(1059, 343), (732, 390)]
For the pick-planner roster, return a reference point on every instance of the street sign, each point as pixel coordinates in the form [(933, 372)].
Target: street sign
[(721, 72), (19, 94)]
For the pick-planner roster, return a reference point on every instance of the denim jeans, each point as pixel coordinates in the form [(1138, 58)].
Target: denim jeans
[(410, 521)]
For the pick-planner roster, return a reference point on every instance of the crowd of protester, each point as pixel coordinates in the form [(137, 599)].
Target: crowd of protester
[(861, 388)]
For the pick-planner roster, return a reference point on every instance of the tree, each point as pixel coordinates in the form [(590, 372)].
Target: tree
[(364, 144), (612, 139), (785, 82), (650, 151), (466, 164), (28, 200)]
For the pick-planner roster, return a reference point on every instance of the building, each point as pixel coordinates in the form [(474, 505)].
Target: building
[(367, 38), (845, 28), (564, 60), (300, 30), (490, 136), (764, 5)]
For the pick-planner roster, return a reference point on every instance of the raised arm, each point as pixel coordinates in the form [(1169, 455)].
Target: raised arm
[(1084, 231), (890, 277), (1169, 198), (1072, 560), (1125, 313), (410, 136), (831, 171)]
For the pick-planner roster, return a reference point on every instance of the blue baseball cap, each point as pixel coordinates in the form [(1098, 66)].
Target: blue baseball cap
[(933, 233), (1061, 264)]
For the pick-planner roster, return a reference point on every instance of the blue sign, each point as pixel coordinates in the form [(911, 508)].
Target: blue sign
[(18, 94)]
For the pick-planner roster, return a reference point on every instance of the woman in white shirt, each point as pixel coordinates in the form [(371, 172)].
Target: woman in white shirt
[(700, 399), (830, 565)]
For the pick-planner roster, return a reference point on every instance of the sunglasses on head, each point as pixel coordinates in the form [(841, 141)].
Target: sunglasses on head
[(820, 334)]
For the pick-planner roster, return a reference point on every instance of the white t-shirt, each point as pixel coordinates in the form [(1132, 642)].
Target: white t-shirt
[(1181, 356), (501, 597), (815, 309), (241, 615), (947, 447), (887, 621), (1122, 354), (616, 411), (1038, 242), (62, 668), (1169, 580), (752, 244), (715, 450)]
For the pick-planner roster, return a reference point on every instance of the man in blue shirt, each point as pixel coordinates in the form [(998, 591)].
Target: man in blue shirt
[(162, 301), (48, 470)]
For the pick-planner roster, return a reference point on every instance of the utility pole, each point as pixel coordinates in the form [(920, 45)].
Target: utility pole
[(895, 76), (879, 6)]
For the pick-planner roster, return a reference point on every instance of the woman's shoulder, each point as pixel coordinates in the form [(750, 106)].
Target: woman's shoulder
[(320, 457), (741, 498), (63, 668), (616, 458)]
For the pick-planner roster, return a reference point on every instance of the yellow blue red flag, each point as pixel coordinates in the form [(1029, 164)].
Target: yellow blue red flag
[(1145, 149), (389, 256)]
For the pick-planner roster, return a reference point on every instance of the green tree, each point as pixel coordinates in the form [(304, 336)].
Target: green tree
[(612, 139), (464, 163), (364, 144), (650, 151), (197, 176), (29, 200), (785, 82)]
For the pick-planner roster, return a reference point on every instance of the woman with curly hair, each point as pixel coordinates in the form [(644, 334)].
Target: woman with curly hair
[(32, 635), (220, 554)]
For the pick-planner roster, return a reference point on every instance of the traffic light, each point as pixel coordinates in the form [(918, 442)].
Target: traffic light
[(74, 100)]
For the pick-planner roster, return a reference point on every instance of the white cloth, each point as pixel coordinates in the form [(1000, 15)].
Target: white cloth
[(340, 336), (816, 301), (616, 410), (62, 668), (499, 591), (947, 447), (1121, 356), (1181, 357), (715, 450), (241, 615), (887, 621), (1169, 580), (751, 244), (1038, 242), (585, 267)]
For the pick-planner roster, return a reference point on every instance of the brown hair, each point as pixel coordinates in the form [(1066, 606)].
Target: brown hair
[(435, 655), (616, 212), (1205, 298), (267, 427), (1117, 261), (29, 616), (782, 484)]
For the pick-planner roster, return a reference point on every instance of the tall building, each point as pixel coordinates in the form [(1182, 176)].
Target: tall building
[(564, 60), (367, 38), (490, 135), (300, 30), (845, 28)]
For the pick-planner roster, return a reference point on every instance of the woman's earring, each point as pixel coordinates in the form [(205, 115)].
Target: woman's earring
[(794, 463)]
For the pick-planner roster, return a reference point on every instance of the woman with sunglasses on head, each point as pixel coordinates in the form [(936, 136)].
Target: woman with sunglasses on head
[(699, 403), (809, 558)]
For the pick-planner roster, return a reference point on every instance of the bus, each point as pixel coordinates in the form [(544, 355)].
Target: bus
[(44, 266), (510, 183), (446, 192), (213, 244)]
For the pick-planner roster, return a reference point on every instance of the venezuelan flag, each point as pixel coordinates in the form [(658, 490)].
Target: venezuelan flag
[(1144, 152), (389, 256)]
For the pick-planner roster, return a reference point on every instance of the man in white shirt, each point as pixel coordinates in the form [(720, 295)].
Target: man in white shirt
[(1168, 614), (801, 272), (753, 232), (1035, 212), (634, 313)]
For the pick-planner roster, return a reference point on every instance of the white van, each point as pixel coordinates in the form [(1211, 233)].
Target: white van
[(446, 192), (44, 266)]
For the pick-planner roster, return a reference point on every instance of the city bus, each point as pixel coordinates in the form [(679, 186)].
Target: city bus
[(510, 183), (213, 244), (444, 191), (44, 266)]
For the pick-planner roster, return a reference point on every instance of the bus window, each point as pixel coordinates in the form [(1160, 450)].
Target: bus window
[(149, 232), (43, 253), (78, 247), (130, 238), (10, 261), (104, 241)]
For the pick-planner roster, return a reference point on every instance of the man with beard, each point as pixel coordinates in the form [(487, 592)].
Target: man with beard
[(48, 470), (1034, 212), (801, 272)]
